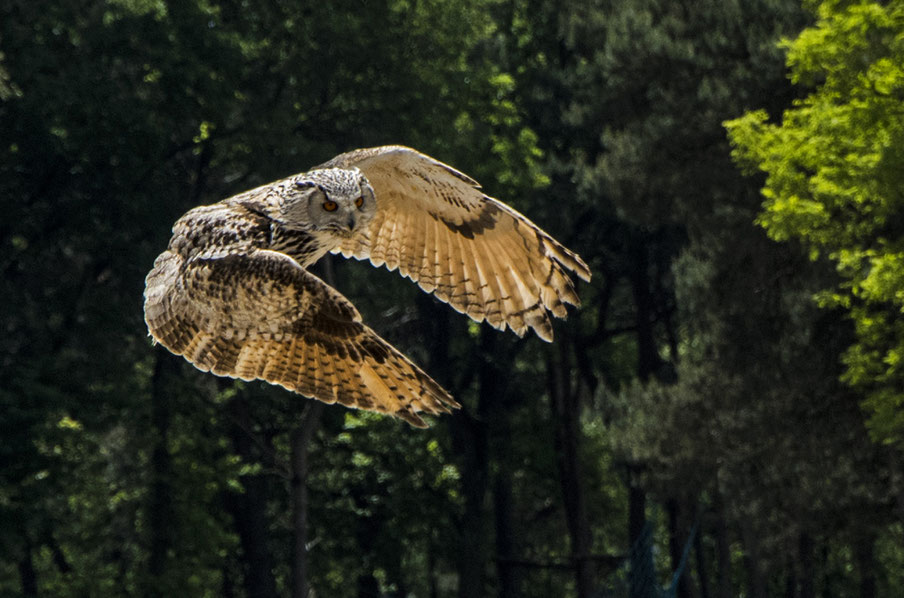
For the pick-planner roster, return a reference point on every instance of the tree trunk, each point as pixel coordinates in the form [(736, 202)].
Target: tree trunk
[(807, 573), (648, 364), (648, 360), (472, 439), (637, 519), (507, 573), (723, 551), (227, 587), (470, 444), (756, 581), (478, 440), (469, 440), (702, 569), (160, 507), (28, 578), (431, 568), (865, 554), (299, 442), (896, 480), (248, 511), (791, 581), (678, 536), (56, 552), (566, 417), (435, 321)]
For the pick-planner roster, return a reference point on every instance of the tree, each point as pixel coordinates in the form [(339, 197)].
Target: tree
[(729, 419), (834, 172), (697, 379), (125, 471)]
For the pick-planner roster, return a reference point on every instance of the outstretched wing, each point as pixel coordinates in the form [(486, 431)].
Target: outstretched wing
[(482, 257), (262, 316)]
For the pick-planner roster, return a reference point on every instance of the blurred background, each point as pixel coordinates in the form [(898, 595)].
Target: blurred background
[(726, 405)]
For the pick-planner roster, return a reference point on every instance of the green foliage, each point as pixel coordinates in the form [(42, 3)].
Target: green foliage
[(753, 374), (119, 116), (835, 170), (389, 490), (698, 359)]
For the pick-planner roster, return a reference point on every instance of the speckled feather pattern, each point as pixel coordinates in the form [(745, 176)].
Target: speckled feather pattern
[(232, 294)]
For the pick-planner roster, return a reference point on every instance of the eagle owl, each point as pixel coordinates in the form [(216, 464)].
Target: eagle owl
[(232, 293)]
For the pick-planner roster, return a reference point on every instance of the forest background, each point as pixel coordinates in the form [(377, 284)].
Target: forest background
[(730, 391)]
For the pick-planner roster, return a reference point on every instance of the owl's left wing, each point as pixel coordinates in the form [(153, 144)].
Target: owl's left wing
[(435, 225)]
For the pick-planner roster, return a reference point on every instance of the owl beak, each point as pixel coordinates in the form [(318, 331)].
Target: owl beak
[(351, 222)]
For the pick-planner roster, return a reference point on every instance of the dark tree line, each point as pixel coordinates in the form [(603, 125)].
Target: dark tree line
[(699, 394)]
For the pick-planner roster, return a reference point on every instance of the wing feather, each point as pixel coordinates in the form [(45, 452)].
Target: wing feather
[(430, 215), (261, 316), (468, 291), (426, 257), (498, 298)]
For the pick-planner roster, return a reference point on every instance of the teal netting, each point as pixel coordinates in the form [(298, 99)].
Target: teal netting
[(636, 577)]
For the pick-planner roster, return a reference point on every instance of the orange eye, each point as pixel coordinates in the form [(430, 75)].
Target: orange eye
[(330, 206), (359, 202)]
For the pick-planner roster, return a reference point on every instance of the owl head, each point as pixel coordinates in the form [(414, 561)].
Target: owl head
[(333, 201)]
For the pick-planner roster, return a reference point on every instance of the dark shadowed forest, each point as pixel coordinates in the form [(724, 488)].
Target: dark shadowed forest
[(723, 416)]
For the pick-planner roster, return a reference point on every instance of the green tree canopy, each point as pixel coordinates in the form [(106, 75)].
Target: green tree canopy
[(699, 381), (835, 181)]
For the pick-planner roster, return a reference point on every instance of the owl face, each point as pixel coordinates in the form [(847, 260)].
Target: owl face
[(334, 201)]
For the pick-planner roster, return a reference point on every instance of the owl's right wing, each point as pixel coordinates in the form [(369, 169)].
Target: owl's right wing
[(262, 316)]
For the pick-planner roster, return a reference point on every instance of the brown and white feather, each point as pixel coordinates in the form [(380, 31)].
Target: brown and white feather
[(435, 226), (231, 293), (261, 316)]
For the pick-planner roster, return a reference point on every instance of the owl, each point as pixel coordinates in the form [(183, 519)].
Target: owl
[(233, 296)]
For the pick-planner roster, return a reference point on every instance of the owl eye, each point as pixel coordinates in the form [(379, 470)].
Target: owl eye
[(359, 202), (330, 206)]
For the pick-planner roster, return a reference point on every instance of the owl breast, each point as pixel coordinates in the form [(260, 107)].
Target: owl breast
[(305, 247)]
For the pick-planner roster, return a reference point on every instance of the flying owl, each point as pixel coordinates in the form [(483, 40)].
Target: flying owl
[(232, 293)]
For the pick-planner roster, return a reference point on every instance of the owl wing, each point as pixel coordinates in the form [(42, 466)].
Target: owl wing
[(436, 227), (262, 316)]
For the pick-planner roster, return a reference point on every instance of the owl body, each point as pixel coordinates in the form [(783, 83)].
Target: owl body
[(232, 293), (304, 216)]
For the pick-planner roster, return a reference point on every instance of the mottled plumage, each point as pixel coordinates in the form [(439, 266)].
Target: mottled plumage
[(232, 294)]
